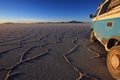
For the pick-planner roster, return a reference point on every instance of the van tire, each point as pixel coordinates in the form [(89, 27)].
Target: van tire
[(92, 36), (113, 62)]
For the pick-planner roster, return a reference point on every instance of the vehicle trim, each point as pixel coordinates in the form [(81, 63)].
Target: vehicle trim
[(115, 13)]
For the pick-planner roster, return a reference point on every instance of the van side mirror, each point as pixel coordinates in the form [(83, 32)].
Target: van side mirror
[(91, 16)]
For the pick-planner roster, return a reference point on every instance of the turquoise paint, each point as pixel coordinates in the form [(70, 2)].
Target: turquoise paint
[(101, 29)]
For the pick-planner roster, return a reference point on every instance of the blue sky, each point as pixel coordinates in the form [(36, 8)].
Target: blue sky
[(46, 10)]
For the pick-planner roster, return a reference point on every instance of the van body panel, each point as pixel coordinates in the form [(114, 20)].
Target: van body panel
[(104, 30)]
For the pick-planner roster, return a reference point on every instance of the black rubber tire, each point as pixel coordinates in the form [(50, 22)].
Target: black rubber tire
[(92, 37), (115, 72)]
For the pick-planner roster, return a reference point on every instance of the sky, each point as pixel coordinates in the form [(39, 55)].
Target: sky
[(46, 10)]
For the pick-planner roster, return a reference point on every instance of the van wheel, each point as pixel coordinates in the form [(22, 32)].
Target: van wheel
[(113, 62), (92, 37)]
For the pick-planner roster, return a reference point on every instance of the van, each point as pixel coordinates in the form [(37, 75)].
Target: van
[(105, 28)]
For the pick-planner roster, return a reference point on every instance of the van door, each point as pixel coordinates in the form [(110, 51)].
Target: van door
[(102, 27)]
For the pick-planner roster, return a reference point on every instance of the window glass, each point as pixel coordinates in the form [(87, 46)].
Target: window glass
[(96, 13), (113, 3), (104, 8)]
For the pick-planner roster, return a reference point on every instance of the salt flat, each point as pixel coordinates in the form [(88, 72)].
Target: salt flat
[(59, 51)]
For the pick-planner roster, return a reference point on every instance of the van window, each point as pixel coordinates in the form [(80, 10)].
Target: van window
[(96, 13), (113, 3), (105, 7)]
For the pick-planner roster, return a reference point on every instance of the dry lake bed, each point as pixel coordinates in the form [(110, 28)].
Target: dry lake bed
[(59, 51)]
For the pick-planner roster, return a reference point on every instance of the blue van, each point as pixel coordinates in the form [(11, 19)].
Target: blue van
[(105, 28)]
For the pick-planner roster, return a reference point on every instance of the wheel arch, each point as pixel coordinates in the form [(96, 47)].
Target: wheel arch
[(113, 41), (91, 29)]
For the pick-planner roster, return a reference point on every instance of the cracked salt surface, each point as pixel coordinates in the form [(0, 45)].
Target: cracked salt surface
[(50, 52)]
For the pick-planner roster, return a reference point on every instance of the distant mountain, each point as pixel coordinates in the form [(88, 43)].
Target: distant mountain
[(8, 23), (74, 21)]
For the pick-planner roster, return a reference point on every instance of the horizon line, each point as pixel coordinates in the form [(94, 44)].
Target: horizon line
[(35, 20)]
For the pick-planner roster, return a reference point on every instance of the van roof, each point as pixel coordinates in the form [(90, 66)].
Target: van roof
[(113, 4)]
